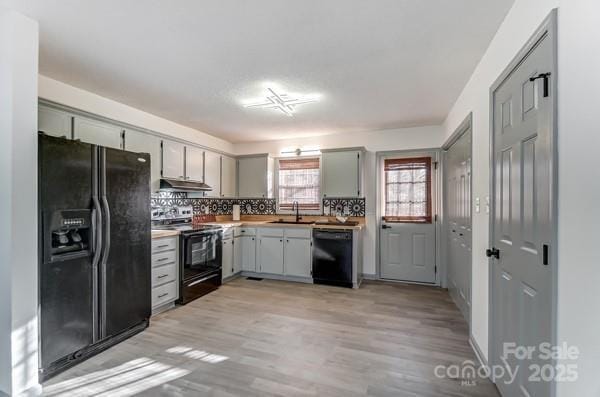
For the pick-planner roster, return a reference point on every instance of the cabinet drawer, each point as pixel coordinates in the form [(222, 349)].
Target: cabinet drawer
[(164, 274), (227, 233), (245, 231), (164, 258), (270, 232), (164, 293), (297, 232), (164, 244)]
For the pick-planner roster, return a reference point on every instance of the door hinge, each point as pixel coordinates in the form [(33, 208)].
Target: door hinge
[(435, 218), (435, 165)]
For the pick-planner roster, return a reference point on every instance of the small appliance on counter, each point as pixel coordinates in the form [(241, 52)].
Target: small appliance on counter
[(236, 212), (199, 248)]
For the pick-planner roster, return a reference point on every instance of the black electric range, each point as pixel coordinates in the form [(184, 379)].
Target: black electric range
[(200, 256)]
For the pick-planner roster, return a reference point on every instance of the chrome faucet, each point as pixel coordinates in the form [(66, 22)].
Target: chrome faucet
[(297, 206)]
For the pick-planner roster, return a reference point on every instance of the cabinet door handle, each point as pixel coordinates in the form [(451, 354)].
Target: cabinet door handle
[(163, 276), (163, 246), (162, 259), (163, 295)]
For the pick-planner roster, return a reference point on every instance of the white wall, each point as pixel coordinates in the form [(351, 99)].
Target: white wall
[(373, 141), (69, 95), (520, 23), (579, 190), (18, 203)]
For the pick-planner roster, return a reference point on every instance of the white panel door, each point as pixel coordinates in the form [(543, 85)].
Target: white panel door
[(341, 176), (173, 159), (522, 223), (228, 177), (194, 164), (408, 252), (212, 173), (97, 132), (227, 258), (54, 122), (140, 142), (270, 255), (252, 177), (297, 257)]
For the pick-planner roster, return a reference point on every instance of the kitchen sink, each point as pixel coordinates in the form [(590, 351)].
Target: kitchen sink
[(284, 222)]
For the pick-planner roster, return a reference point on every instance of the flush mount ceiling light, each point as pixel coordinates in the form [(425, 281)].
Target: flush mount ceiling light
[(285, 103)]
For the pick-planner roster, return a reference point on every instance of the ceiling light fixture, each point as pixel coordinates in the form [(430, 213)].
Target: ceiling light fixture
[(286, 103)]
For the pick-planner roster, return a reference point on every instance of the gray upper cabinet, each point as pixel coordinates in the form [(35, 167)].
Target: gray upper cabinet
[(141, 142), (98, 132), (55, 122), (173, 159), (212, 173), (194, 164), (341, 173), (255, 176), (228, 176)]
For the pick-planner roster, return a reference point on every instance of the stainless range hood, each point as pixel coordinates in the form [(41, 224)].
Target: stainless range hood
[(178, 185)]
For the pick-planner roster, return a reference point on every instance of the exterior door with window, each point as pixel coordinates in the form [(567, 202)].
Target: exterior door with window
[(408, 232)]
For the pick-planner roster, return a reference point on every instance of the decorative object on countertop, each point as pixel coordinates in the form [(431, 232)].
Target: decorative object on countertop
[(349, 207), (333, 206), (203, 218)]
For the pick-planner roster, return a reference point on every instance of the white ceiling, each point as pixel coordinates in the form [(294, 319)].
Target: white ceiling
[(378, 64)]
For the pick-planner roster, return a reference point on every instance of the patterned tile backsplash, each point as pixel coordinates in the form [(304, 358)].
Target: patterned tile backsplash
[(259, 206)]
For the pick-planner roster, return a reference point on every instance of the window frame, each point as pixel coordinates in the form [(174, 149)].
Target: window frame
[(430, 196), (276, 186)]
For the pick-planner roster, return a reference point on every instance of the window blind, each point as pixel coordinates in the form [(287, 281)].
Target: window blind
[(408, 190), (299, 180)]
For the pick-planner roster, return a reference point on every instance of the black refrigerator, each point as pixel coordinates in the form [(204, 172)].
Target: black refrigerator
[(94, 249)]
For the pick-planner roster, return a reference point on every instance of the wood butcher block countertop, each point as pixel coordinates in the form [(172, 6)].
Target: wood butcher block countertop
[(164, 233), (266, 221)]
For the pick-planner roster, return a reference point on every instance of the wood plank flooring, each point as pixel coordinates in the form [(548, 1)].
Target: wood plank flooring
[(275, 338)]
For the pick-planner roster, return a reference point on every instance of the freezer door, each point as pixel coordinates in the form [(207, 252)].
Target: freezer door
[(126, 264), (66, 251)]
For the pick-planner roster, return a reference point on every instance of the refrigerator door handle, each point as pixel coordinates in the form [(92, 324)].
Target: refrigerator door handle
[(103, 263), (97, 228)]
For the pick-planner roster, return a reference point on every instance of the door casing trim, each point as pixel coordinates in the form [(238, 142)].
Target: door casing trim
[(436, 155), (548, 30), (463, 127)]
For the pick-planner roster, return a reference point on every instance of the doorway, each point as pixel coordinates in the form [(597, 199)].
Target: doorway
[(522, 221), (457, 217), (408, 208)]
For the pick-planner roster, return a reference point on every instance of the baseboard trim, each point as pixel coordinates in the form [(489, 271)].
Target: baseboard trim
[(477, 351), (370, 276)]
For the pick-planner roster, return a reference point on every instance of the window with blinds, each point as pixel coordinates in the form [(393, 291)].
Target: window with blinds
[(408, 190), (299, 180)]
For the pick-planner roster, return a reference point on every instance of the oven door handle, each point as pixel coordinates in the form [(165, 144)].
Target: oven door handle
[(202, 280)]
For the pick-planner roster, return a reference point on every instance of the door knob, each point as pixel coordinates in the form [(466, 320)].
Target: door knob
[(493, 252)]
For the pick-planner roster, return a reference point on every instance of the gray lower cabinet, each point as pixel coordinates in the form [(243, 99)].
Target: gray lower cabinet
[(138, 141), (55, 122), (271, 255), (297, 257), (165, 273), (244, 254), (341, 173), (227, 257), (97, 132)]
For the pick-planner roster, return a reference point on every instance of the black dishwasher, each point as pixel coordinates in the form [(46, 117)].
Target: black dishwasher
[(332, 257)]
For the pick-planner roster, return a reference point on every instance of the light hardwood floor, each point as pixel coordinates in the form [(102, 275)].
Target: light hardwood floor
[(275, 338)]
